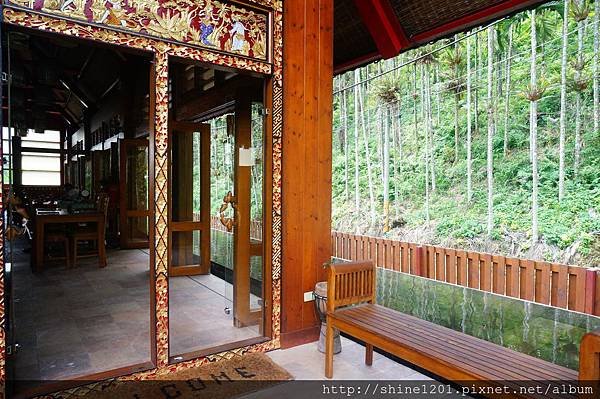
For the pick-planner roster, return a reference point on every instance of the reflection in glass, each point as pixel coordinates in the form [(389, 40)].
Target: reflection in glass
[(137, 177), (186, 177), (202, 306), (545, 332), (256, 213), (185, 248), (137, 229)]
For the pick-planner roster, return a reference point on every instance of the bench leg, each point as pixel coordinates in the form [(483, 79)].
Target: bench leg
[(368, 354), (329, 350)]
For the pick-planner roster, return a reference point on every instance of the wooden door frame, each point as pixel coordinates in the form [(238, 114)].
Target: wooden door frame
[(138, 368), (124, 213), (204, 224), (162, 50)]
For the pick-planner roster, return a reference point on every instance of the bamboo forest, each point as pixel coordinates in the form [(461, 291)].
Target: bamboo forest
[(488, 140)]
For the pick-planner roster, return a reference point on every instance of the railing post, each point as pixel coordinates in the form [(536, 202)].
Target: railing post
[(590, 291), (420, 267)]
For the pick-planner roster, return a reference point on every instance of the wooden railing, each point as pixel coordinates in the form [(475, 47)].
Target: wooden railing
[(568, 287)]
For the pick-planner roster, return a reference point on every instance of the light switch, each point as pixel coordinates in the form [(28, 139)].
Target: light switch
[(308, 296)]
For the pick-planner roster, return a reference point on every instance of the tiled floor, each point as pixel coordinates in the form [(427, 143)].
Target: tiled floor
[(305, 362), (84, 320), (197, 304)]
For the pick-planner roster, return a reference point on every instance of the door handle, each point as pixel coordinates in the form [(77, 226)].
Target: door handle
[(228, 200)]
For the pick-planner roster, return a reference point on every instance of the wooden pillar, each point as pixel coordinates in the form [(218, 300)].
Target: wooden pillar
[(159, 230), (306, 170), (242, 190), (17, 162), (62, 157)]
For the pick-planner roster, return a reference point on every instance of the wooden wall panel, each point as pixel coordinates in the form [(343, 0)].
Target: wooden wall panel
[(306, 186)]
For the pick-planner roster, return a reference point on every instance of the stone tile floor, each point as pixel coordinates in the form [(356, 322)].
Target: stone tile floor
[(305, 362), (85, 320)]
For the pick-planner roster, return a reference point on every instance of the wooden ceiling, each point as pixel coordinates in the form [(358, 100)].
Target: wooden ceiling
[(55, 80), (368, 30)]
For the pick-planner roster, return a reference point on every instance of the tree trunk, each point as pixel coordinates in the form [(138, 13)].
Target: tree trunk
[(476, 84), (437, 95), (507, 89), (456, 103), (469, 128), (399, 159), (578, 143), (533, 133), (386, 171), (563, 103), (456, 99), (429, 116), (596, 69), (415, 112), (426, 152), (368, 159), (345, 123), (356, 144), (490, 131)]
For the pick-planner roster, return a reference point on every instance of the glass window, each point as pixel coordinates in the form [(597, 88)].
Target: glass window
[(40, 168)]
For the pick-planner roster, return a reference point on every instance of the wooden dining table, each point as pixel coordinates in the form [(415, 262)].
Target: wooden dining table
[(42, 219)]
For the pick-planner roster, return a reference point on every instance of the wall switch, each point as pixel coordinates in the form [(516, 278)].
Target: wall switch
[(308, 296)]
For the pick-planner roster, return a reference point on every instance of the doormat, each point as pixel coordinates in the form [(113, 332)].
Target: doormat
[(220, 380)]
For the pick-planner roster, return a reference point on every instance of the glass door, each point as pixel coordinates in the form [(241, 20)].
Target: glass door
[(134, 211), (216, 263), (247, 243), (189, 199)]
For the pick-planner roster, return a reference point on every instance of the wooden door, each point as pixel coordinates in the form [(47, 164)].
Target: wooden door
[(189, 199), (134, 211)]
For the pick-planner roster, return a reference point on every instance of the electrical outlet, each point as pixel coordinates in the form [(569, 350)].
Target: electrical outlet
[(308, 296)]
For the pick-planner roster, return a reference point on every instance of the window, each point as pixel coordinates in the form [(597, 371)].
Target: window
[(37, 168), (41, 168)]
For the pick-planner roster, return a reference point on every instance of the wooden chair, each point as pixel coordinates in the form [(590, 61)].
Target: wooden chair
[(58, 236), (89, 233)]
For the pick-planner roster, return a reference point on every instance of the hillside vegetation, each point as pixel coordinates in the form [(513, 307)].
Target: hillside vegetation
[(488, 141)]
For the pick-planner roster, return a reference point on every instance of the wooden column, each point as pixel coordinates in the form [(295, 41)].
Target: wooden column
[(306, 171), (242, 191), (17, 162)]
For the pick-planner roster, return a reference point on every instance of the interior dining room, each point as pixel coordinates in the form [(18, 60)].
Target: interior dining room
[(76, 176), (77, 150)]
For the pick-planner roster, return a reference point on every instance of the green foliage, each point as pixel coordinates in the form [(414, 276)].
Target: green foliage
[(573, 221)]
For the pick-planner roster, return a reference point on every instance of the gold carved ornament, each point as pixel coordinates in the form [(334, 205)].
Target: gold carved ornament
[(229, 199)]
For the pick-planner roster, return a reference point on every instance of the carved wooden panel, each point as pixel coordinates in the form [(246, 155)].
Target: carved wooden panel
[(211, 24)]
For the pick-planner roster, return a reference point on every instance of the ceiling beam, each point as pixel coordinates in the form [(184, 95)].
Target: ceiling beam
[(196, 103), (356, 62), (377, 14), (383, 25)]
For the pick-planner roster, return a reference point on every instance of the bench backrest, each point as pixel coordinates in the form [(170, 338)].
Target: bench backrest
[(589, 357), (350, 283)]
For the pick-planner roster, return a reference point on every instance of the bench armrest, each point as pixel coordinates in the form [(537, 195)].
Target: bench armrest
[(589, 356), (350, 283)]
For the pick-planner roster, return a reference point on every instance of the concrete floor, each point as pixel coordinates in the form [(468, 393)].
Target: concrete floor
[(85, 320)]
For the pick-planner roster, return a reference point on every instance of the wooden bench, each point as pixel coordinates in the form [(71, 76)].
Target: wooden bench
[(444, 352)]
